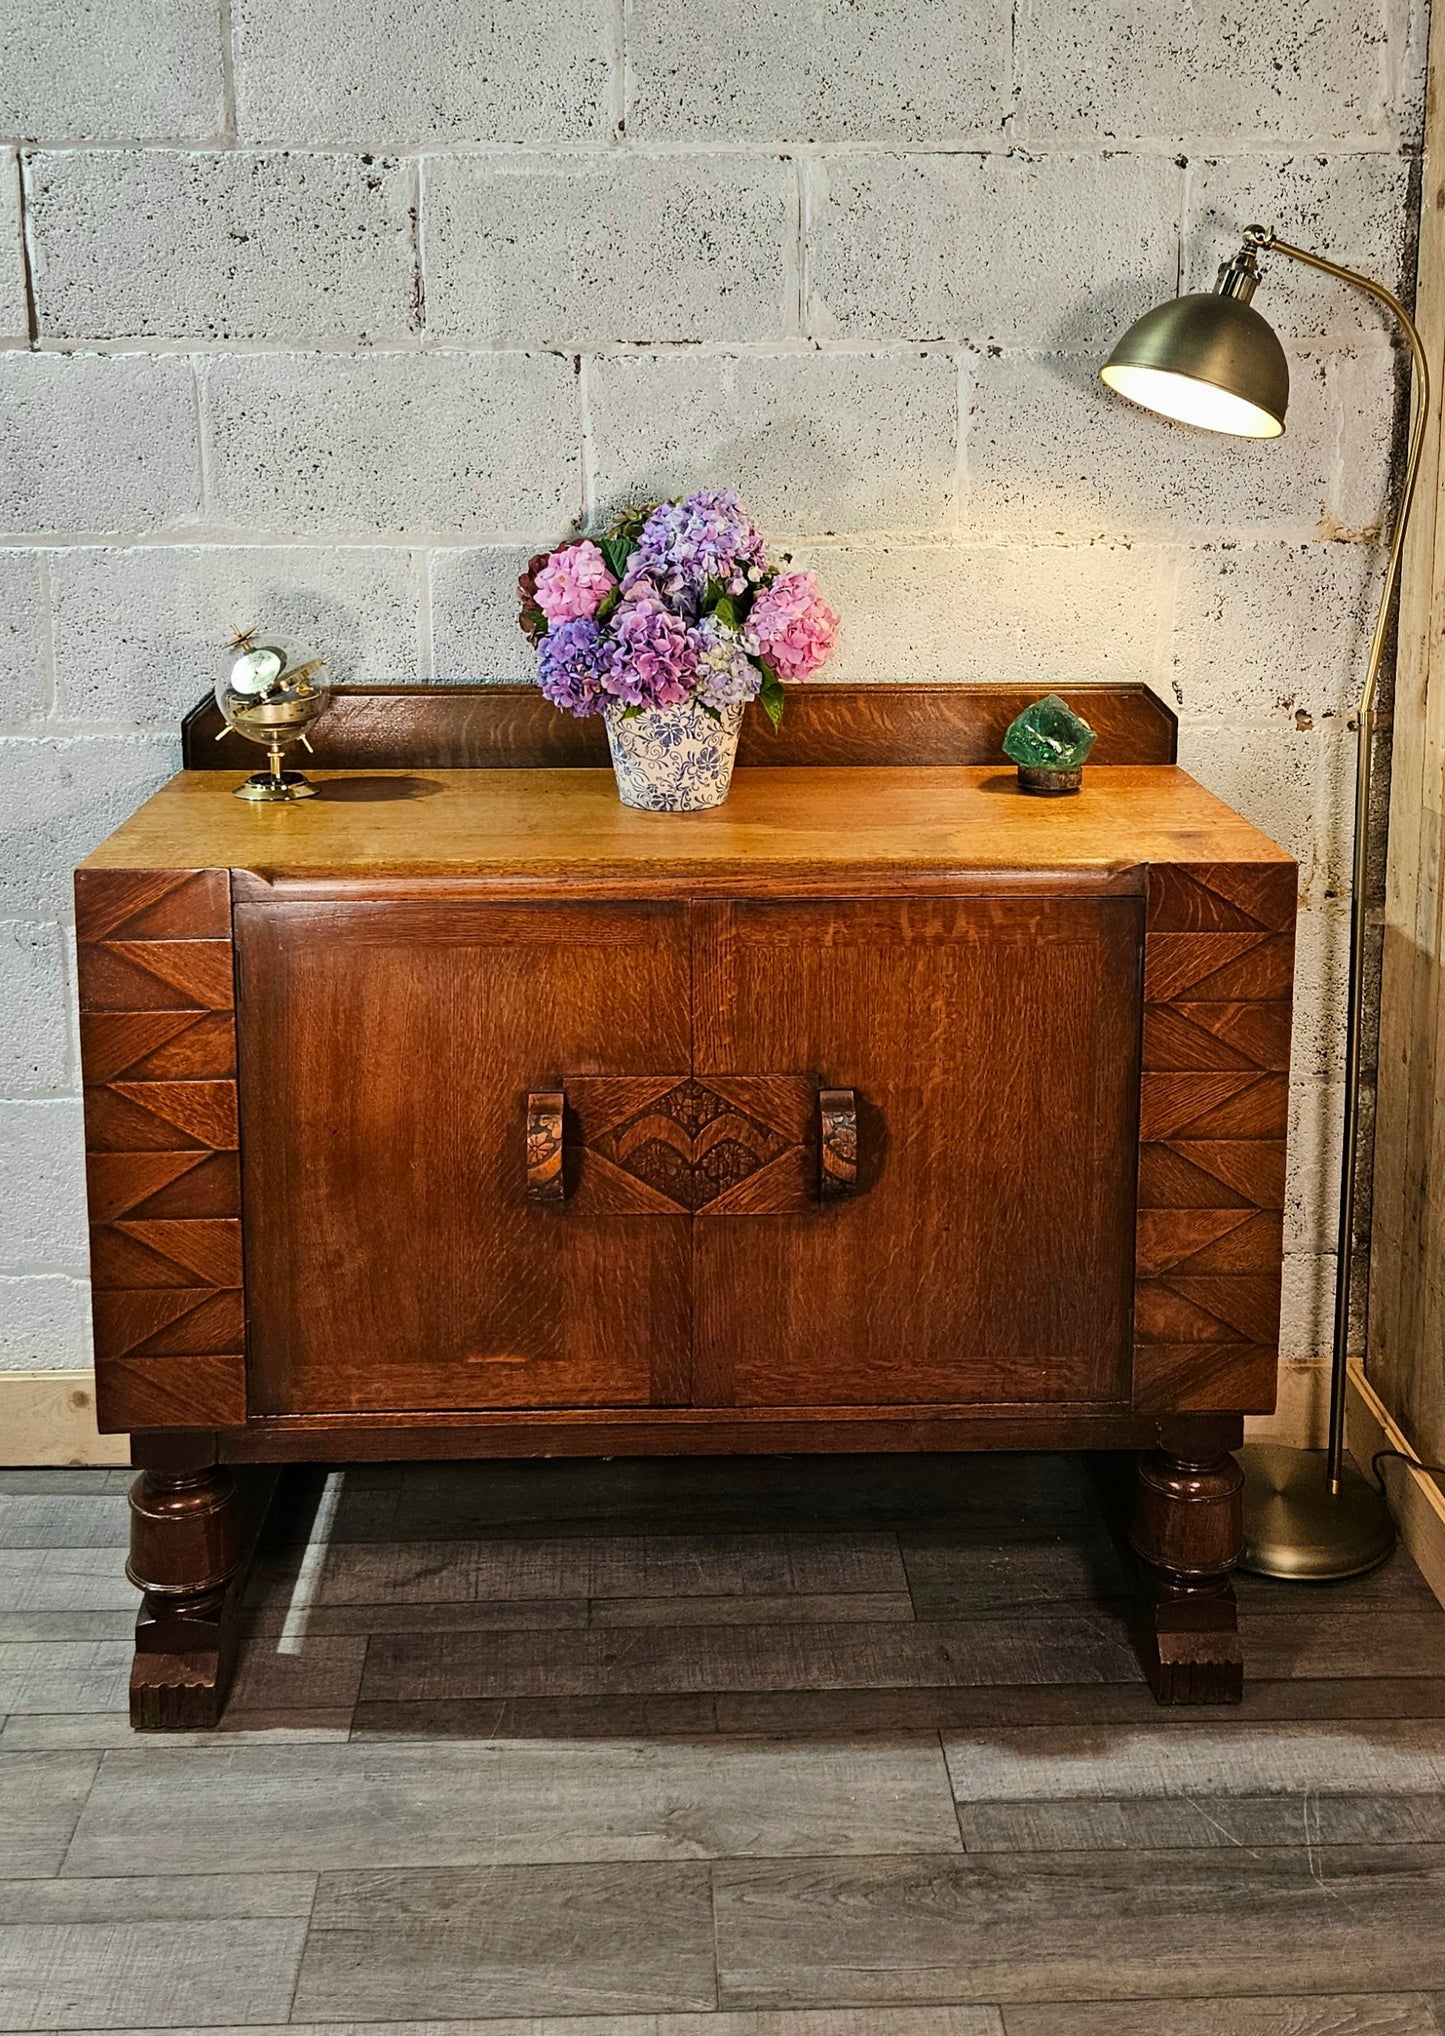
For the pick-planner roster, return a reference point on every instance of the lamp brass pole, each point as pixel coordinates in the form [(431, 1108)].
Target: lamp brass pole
[(1209, 358)]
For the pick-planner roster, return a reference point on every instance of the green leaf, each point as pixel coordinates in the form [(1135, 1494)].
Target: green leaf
[(726, 611), (617, 550), (713, 596), (631, 714), (606, 605), (772, 695)]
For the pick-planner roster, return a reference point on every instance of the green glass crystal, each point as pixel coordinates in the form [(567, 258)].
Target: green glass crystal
[(1049, 736)]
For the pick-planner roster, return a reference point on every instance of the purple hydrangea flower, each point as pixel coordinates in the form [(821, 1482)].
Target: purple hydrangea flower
[(653, 662), (572, 667), (726, 674), (706, 536)]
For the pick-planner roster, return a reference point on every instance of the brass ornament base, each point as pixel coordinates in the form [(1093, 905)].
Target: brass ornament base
[(1295, 1528), (279, 789), (1049, 784)]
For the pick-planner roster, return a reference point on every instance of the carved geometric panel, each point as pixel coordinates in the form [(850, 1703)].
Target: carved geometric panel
[(1214, 1104), (733, 1145), (158, 1055)]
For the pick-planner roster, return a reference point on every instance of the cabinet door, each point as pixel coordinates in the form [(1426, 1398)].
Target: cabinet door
[(986, 1257), (394, 1258)]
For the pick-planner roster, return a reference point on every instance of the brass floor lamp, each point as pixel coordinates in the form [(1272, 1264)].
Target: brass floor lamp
[(1210, 359)]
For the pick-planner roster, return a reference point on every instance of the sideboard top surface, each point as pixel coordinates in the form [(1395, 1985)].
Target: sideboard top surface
[(569, 825)]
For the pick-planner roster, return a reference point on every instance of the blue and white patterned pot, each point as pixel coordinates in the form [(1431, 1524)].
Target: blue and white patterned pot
[(673, 759)]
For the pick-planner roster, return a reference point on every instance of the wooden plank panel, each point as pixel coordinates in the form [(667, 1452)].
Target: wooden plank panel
[(688, 1660), (1208, 1240), (1202, 1377), (328, 1808), (1221, 1104), (1293, 2014), (466, 1007), (159, 1046), (41, 1795), (485, 1941), (1214, 1105), (1222, 897), (167, 1253), (158, 1059), (1203, 1036), (162, 975), (1208, 1308), (150, 1974), (167, 1322), (194, 1390), (1206, 1820), (1071, 1926), (163, 1185), (1407, 1231), (165, 904), (482, 727)]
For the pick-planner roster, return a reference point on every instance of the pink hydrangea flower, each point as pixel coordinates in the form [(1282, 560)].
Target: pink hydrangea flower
[(573, 584), (792, 626)]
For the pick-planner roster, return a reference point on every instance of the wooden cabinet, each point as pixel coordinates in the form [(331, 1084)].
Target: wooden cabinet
[(464, 1112)]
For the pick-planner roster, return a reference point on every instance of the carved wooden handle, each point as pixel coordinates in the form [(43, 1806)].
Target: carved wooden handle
[(544, 1147), (838, 1119)]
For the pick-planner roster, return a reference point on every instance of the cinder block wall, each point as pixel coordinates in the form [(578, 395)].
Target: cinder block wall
[(325, 315)]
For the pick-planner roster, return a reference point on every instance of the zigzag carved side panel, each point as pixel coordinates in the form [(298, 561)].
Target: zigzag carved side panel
[(158, 1054), (1214, 1103)]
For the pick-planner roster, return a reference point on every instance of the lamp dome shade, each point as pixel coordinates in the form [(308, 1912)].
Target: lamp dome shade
[(1206, 359)]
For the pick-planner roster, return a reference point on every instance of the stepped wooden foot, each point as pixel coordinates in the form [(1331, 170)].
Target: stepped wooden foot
[(1188, 1533), (192, 1535)]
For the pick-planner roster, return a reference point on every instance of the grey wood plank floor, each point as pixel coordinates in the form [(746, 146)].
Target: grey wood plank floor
[(849, 1747)]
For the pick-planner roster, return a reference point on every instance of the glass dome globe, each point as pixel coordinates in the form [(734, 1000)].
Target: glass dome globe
[(269, 691)]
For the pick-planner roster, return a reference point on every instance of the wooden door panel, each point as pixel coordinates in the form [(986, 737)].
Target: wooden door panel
[(993, 1043), (394, 1258)]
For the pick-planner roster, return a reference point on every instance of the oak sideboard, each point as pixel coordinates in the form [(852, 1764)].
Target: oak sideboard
[(464, 1112)]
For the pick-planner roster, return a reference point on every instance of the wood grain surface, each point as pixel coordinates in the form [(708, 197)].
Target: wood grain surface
[(498, 727), (807, 828), (985, 1255), (1218, 979), (158, 1050), (396, 1113)]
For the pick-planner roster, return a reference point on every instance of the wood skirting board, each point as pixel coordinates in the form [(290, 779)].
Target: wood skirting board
[(48, 1417), (1415, 1499)]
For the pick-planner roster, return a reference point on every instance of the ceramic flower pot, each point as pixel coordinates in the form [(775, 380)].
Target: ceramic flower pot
[(674, 759)]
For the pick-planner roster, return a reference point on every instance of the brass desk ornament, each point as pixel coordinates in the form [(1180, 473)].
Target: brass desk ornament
[(268, 694)]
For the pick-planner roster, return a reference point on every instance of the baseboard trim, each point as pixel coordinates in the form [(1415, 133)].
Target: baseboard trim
[(1415, 1499), (1301, 1416), (48, 1417)]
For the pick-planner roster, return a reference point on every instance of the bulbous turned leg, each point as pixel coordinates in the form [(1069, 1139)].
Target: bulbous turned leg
[(186, 1555), (1188, 1533)]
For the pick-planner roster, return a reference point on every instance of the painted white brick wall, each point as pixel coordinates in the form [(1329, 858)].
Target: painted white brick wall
[(318, 311)]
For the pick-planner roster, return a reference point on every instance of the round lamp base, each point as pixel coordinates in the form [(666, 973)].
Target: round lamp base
[(1295, 1527), (277, 790)]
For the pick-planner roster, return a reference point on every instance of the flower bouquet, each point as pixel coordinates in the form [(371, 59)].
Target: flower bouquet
[(667, 625)]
